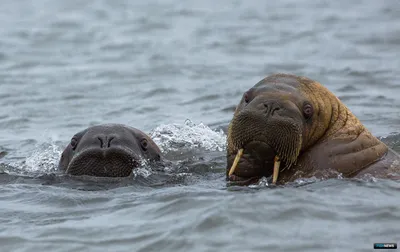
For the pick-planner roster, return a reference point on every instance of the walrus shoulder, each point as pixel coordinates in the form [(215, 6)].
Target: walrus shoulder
[(386, 167)]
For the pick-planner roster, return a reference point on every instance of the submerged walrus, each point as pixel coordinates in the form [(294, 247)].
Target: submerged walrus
[(108, 150), (293, 127)]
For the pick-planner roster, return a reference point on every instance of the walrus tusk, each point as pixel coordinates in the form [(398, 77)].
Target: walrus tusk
[(277, 163), (236, 161)]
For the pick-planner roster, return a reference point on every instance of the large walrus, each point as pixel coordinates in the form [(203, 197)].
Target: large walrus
[(108, 150), (292, 127)]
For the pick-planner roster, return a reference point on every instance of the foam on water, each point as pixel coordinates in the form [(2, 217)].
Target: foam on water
[(43, 159), (142, 171), (189, 135), (262, 182)]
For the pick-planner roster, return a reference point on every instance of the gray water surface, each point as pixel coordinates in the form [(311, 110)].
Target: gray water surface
[(177, 69)]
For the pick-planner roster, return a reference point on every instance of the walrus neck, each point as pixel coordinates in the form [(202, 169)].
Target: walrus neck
[(343, 124), (351, 145)]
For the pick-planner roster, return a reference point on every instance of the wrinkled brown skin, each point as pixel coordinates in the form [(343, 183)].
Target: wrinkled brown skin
[(108, 150), (333, 141)]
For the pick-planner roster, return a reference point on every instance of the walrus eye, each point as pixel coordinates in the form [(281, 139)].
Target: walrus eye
[(308, 110), (74, 143), (143, 144)]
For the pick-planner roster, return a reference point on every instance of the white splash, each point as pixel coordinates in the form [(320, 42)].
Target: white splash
[(144, 170), (43, 160), (4, 169), (188, 135), (394, 164), (304, 181), (262, 182), (368, 178)]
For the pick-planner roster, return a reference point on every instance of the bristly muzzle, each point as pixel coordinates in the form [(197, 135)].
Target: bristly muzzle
[(284, 135), (103, 163)]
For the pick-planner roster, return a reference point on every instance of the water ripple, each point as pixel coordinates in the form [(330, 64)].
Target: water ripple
[(66, 65)]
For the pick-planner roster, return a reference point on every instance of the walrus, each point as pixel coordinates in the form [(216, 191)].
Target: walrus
[(108, 150), (293, 127)]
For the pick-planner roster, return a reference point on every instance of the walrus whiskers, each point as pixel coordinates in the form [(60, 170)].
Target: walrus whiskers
[(236, 161), (277, 163)]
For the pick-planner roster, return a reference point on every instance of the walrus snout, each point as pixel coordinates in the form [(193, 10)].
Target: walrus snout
[(104, 161), (282, 133)]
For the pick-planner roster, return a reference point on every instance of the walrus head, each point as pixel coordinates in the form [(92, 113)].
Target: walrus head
[(283, 116), (108, 150)]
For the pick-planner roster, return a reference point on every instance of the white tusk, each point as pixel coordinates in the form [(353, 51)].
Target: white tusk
[(236, 161), (277, 163)]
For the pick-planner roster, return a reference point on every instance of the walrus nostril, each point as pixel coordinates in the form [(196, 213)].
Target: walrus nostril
[(101, 142), (271, 107), (274, 109), (109, 142), (105, 141)]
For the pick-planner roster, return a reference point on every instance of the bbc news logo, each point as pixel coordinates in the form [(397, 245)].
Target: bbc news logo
[(385, 245)]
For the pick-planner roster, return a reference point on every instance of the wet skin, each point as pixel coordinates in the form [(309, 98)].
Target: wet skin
[(108, 150)]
